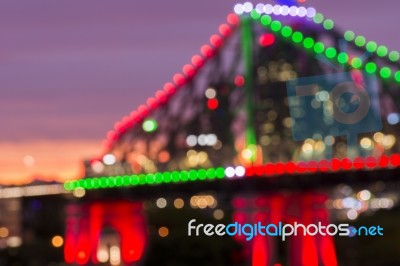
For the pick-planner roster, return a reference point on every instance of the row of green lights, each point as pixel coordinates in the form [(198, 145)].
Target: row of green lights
[(145, 179), (371, 46), (328, 24), (296, 36), (359, 41), (319, 48)]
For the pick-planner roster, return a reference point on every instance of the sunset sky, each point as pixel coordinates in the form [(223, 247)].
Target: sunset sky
[(70, 69)]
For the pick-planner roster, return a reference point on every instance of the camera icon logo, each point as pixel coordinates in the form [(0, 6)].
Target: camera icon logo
[(340, 104)]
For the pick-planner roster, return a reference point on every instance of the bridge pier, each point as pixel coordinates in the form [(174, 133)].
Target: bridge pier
[(85, 223), (305, 208)]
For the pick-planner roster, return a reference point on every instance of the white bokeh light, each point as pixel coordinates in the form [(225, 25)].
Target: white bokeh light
[(285, 10), (161, 203), (211, 139), (260, 8), (247, 7), (311, 12), (364, 195), (293, 11), (268, 9), (352, 214), (202, 140), (302, 11), (393, 118), (210, 93), (276, 10), (230, 172), (240, 171), (109, 159), (191, 140), (238, 9)]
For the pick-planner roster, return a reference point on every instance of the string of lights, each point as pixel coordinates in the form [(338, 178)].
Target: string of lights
[(317, 18), (207, 51), (270, 169), (31, 191), (318, 48)]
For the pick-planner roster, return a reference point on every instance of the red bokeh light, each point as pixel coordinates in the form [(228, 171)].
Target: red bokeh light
[(212, 104), (291, 167), (206, 50), (259, 170), (266, 39), (358, 163), (383, 161), (197, 60), (224, 29), (179, 79), (280, 168), (169, 88), (395, 160), (335, 164), (312, 166), (250, 171), (216, 40), (239, 81), (269, 169), (346, 164), (232, 19), (161, 96), (188, 70), (371, 162), (143, 110), (323, 165), (152, 103)]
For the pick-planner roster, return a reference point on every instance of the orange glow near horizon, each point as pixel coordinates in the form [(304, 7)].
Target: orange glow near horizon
[(55, 160)]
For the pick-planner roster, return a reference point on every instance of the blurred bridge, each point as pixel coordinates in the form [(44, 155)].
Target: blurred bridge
[(226, 130)]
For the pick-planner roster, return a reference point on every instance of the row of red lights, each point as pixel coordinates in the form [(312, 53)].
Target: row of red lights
[(207, 51), (322, 166)]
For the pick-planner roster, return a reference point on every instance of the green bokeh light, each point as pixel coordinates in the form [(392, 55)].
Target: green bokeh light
[(356, 62), (175, 176), (349, 35), (193, 175), (371, 47), (318, 18), (385, 72), (394, 56), (286, 31), (266, 20), (382, 51), (328, 24), (254, 14), (370, 67), (297, 37), (343, 58), (308, 42), (220, 172), (276, 25), (330, 52), (184, 176), (211, 173), (359, 41), (202, 174), (319, 47), (150, 125), (397, 76)]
